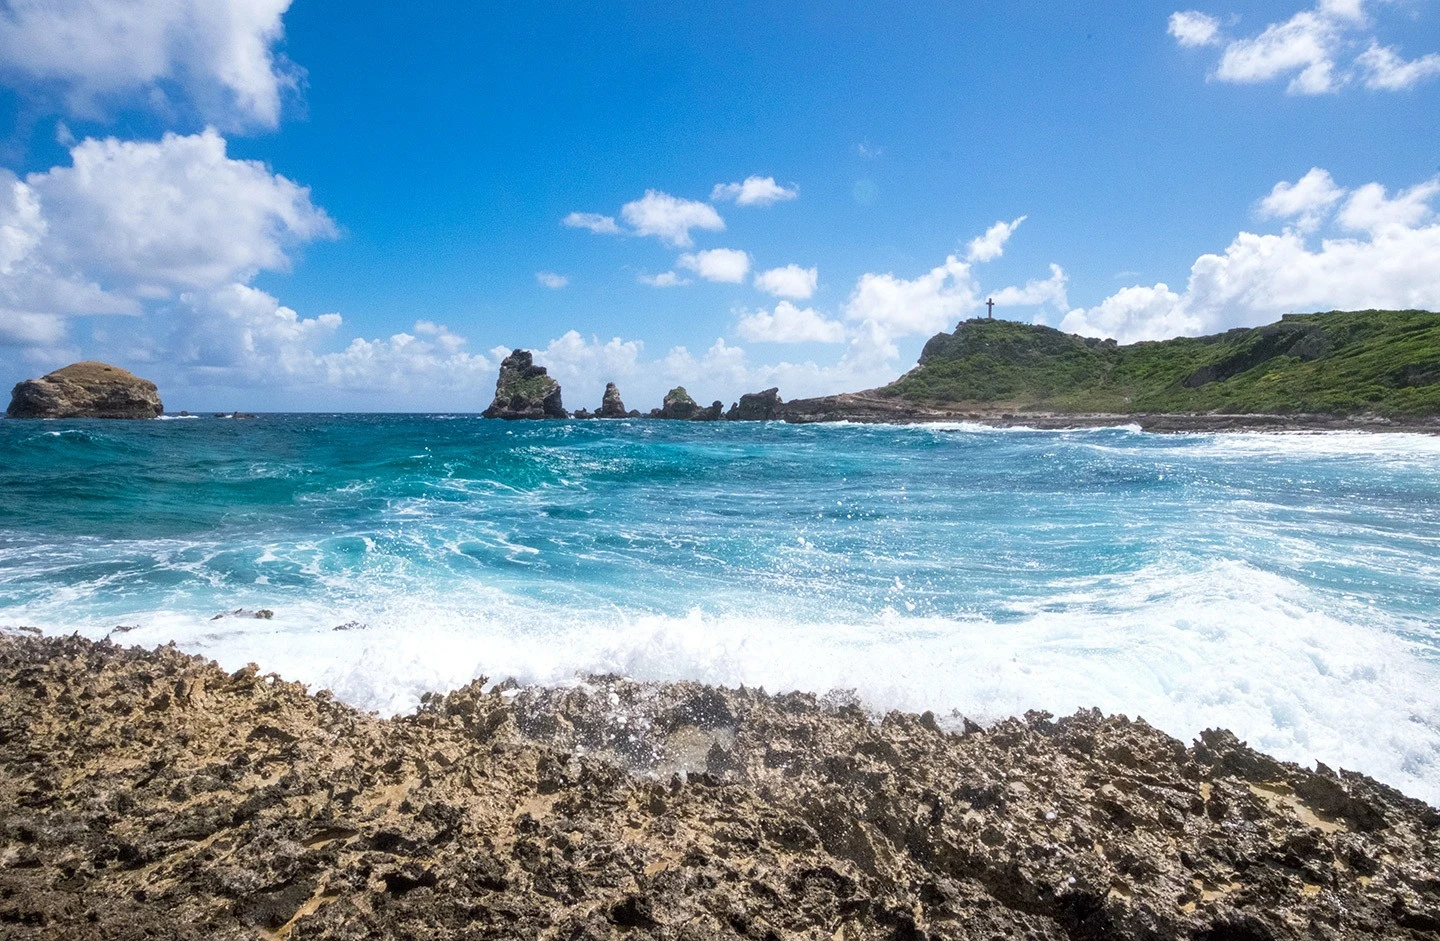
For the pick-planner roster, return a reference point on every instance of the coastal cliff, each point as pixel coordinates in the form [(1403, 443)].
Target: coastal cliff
[(150, 794), (1376, 363), (86, 390)]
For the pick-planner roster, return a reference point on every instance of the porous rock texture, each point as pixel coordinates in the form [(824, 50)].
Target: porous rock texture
[(86, 390), (152, 795), (524, 390)]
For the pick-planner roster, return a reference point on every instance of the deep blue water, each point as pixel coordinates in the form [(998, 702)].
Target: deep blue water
[(1286, 586)]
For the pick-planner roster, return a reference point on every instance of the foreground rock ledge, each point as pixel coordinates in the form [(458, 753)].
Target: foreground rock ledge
[(86, 390), (150, 794)]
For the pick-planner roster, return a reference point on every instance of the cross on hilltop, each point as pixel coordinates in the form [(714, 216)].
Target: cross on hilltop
[(991, 304)]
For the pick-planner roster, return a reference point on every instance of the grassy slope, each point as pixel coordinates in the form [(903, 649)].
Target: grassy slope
[(1384, 362)]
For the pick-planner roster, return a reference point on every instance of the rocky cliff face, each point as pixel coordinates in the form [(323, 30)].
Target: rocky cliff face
[(86, 390), (152, 795), (524, 390)]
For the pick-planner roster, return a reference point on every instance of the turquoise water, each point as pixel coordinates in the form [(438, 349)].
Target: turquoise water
[(1285, 586)]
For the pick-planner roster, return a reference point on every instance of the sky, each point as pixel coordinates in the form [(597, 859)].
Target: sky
[(300, 205)]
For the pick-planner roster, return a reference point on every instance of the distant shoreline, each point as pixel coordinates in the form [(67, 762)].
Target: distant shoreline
[(862, 408), (869, 408)]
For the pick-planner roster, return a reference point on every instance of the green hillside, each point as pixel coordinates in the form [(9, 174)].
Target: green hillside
[(1375, 361)]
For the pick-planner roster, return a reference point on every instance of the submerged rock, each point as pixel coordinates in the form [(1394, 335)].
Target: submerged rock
[(611, 406), (524, 390), (151, 794), (86, 390), (757, 406)]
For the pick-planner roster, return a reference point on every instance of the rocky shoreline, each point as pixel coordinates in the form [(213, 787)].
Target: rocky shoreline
[(151, 794)]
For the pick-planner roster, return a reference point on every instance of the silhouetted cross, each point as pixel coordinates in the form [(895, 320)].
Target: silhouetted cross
[(991, 304)]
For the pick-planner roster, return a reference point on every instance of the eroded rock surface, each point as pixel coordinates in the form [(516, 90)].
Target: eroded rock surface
[(150, 794), (756, 406), (612, 406), (677, 405), (86, 390), (525, 390)]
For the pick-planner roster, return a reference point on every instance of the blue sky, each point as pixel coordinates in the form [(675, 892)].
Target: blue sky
[(323, 205)]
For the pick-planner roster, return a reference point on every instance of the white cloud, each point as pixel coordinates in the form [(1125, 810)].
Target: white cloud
[(1192, 28), (1036, 293), (26, 330), (594, 221), (1307, 200), (1395, 264), (926, 304), (552, 280), (790, 324), (1134, 313), (726, 265), (221, 52), (177, 212), (1383, 68), (791, 281), (1312, 48), (991, 245), (667, 279), (669, 218), (248, 332), (754, 191), (1369, 210)]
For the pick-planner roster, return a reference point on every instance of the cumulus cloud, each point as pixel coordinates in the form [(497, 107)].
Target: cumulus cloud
[(1381, 252), (991, 245), (790, 324), (1192, 28), (1037, 292), (726, 265), (247, 332), (670, 218), (667, 279), (1383, 68), (791, 281), (594, 221), (220, 52), (177, 212), (906, 307), (552, 280), (754, 191), (1313, 48), (1307, 200)]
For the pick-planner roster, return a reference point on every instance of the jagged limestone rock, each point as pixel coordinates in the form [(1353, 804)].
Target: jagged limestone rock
[(525, 391), (86, 390)]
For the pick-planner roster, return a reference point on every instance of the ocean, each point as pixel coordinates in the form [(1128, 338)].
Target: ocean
[(1284, 586)]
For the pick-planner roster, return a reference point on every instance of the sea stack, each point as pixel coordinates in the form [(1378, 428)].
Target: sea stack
[(612, 406), (525, 391), (677, 405), (86, 390)]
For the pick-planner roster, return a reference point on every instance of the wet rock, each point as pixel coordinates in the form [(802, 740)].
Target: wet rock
[(86, 390), (611, 406), (524, 390), (608, 808), (757, 406)]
